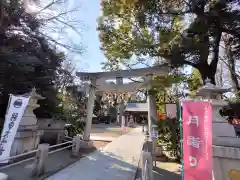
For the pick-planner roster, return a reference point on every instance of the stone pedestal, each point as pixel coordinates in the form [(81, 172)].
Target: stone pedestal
[(226, 159), (220, 127), (28, 135), (40, 160), (86, 144), (226, 146)]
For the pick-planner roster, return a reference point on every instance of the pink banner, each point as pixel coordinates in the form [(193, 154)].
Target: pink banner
[(197, 140)]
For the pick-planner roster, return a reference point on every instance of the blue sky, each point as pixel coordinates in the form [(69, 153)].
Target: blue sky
[(92, 57)]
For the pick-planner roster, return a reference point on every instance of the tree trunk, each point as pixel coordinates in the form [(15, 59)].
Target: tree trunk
[(207, 72), (231, 64)]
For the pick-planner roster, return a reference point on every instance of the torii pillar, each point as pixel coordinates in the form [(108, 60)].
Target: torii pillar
[(152, 108), (119, 82), (90, 106)]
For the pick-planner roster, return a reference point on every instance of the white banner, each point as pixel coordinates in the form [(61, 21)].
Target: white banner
[(16, 108)]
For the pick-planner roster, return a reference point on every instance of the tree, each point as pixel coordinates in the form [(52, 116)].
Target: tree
[(29, 59), (230, 60), (59, 22), (154, 29), (194, 82)]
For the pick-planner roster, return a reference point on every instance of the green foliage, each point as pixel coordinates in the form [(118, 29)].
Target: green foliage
[(179, 32), (70, 110), (28, 59), (169, 136), (130, 37), (194, 82)]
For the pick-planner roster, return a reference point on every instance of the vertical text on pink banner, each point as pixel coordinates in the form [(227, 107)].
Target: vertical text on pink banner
[(197, 140)]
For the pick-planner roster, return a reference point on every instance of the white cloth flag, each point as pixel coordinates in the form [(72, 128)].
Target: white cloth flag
[(16, 108)]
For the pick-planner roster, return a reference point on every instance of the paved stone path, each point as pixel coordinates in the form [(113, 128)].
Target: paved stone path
[(108, 130), (102, 138), (163, 171), (118, 160)]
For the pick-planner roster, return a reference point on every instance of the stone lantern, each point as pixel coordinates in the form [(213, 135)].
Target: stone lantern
[(28, 136), (212, 93), (225, 144)]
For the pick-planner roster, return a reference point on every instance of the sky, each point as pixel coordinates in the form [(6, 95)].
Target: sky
[(86, 16), (92, 56)]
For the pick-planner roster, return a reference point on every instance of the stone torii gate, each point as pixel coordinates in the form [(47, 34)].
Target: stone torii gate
[(98, 83)]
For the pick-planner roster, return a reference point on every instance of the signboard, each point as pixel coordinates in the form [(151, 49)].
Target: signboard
[(197, 140), (171, 110), (154, 133), (16, 108)]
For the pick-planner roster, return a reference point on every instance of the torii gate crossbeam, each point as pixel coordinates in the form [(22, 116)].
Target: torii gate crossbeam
[(98, 83)]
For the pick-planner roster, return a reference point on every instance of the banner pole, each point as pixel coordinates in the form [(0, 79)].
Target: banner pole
[(181, 137)]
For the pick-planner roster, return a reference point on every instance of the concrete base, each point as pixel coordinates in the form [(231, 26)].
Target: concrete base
[(86, 144)]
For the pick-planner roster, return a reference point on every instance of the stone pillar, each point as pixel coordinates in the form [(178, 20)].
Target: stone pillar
[(152, 109), (76, 145), (220, 126), (121, 111), (147, 165), (123, 122), (41, 157), (90, 106), (119, 82)]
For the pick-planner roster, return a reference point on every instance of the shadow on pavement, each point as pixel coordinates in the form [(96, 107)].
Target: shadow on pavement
[(98, 165), (55, 162), (61, 166), (161, 174)]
